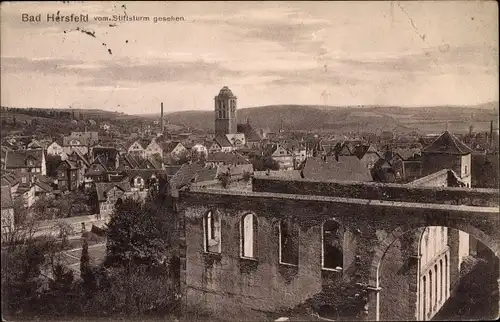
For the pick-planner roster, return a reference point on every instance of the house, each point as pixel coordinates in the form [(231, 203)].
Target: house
[(153, 148), (7, 203), (26, 193), (81, 141), (336, 168), (68, 175), (173, 151), (109, 156), (209, 176), (143, 179), (367, 154), (448, 152), (43, 186), (183, 177), (26, 163), (136, 149), (220, 144), (9, 179), (155, 162), (56, 149), (127, 162), (34, 144), (104, 126), (223, 158), (110, 194), (252, 137), (200, 149), (280, 154), (96, 172)]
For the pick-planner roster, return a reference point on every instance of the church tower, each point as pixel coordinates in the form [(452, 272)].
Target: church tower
[(225, 112)]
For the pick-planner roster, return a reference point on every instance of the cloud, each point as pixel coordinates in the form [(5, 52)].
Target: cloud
[(437, 60), (105, 73)]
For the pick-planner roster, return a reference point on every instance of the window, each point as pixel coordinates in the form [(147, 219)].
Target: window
[(424, 297), (289, 246), (333, 257), (465, 170), (249, 236), (211, 225), (430, 291)]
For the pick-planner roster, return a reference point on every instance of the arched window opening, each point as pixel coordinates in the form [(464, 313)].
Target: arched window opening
[(442, 280), (436, 279), (289, 242), (424, 298), (211, 225), (333, 257), (248, 236), (446, 288), (430, 291)]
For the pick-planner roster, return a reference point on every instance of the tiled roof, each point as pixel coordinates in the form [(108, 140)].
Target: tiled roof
[(250, 134), (168, 147), (223, 141), (290, 174), (227, 158), (407, 154), (78, 155), (46, 186), (447, 143), (103, 187), (17, 159), (6, 197), (346, 168), (9, 178), (185, 175)]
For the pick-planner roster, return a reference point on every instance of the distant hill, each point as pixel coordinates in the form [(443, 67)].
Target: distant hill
[(347, 119)]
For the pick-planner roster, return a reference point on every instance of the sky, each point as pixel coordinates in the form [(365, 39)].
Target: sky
[(338, 53)]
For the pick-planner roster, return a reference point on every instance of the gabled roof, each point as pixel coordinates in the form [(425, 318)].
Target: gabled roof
[(18, 158), (271, 148), (71, 164), (250, 134), (346, 168), (9, 178), (44, 185), (222, 141), (103, 187), (78, 155), (168, 147), (128, 159), (407, 154), (227, 158), (185, 175), (447, 143), (150, 163), (6, 201)]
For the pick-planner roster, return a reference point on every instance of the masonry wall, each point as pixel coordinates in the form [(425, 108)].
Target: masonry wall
[(433, 162), (226, 283), (230, 285), (378, 191)]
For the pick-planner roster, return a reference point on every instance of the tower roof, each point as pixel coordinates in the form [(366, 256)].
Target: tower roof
[(225, 92), (447, 143)]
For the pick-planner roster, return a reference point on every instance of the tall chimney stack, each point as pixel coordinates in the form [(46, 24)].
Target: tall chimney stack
[(491, 134), (162, 123)]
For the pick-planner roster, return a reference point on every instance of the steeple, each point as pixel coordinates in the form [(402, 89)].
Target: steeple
[(161, 119), (225, 112)]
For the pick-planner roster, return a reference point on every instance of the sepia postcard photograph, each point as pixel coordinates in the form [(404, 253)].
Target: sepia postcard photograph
[(250, 161)]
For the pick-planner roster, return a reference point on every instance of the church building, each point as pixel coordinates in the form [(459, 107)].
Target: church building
[(229, 135)]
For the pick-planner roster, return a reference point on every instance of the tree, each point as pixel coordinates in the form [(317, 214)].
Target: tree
[(224, 179), (23, 227), (86, 273), (140, 236)]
